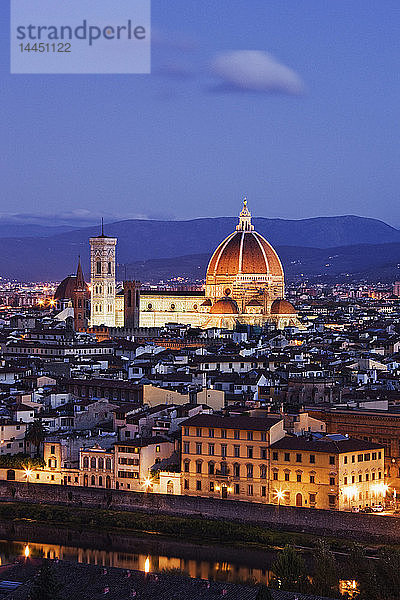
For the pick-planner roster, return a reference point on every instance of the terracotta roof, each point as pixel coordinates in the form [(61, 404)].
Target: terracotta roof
[(282, 307), (240, 422), (245, 252), (224, 306)]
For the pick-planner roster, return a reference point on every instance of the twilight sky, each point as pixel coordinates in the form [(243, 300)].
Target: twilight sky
[(294, 104)]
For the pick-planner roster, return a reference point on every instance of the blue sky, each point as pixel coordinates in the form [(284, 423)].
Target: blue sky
[(189, 141)]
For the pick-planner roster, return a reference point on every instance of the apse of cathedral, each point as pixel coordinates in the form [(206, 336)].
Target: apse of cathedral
[(244, 285)]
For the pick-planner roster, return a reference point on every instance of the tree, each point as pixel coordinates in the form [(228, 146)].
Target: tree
[(289, 570), (325, 579), (45, 585), (35, 434), (263, 593), (364, 572), (388, 573)]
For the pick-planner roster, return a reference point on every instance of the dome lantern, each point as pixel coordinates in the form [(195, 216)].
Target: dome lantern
[(245, 219)]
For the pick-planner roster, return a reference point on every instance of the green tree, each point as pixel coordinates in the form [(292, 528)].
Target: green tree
[(46, 585), (289, 571), (364, 572), (388, 573), (325, 579), (35, 434), (263, 593)]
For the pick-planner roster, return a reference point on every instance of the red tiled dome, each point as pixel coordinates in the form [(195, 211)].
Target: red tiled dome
[(66, 288), (282, 307), (245, 252), (225, 306)]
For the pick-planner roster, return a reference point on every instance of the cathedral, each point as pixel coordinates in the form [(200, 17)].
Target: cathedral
[(244, 285)]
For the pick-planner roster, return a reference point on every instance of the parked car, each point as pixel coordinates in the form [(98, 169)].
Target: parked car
[(367, 509), (355, 509), (377, 508)]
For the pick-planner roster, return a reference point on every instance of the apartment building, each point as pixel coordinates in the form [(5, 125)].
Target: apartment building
[(328, 472), (227, 457)]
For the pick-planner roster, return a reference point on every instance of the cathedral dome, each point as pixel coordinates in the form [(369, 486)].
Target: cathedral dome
[(244, 252), (282, 307), (225, 306), (66, 288)]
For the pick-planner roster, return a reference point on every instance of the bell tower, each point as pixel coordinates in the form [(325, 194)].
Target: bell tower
[(102, 266)]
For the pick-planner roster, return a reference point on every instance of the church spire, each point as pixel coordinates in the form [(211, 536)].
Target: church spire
[(80, 280), (245, 218)]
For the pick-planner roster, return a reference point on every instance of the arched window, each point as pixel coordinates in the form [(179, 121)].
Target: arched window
[(108, 482), (263, 471), (109, 268), (100, 480), (100, 463), (186, 466), (198, 466), (170, 487), (211, 468), (10, 475), (249, 471), (93, 480), (108, 464), (92, 463), (85, 480), (98, 267), (85, 462)]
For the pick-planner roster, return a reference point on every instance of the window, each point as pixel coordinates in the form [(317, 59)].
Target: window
[(211, 433), (345, 480), (331, 460), (332, 500), (98, 267), (298, 477), (236, 451), (374, 456), (52, 448), (379, 455), (249, 451), (312, 459), (236, 434), (287, 457), (275, 476), (353, 459), (237, 488), (186, 466), (353, 479), (287, 476), (211, 486), (108, 464), (198, 485), (100, 480), (236, 470), (360, 478), (186, 447), (366, 476), (249, 490), (249, 471), (198, 431), (211, 468), (331, 481), (373, 476), (263, 436), (360, 457), (92, 463), (198, 448), (211, 449), (85, 462), (274, 456), (223, 450), (92, 480), (186, 431), (223, 433), (263, 453), (379, 475), (198, 466), (263, 491), (312, 498), (263, 472), (186, 484), (109, 268), (157, 448), (367, 456), (250, 435), (312, 478)]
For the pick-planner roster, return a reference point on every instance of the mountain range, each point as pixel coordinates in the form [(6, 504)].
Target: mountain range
[(154, 250)]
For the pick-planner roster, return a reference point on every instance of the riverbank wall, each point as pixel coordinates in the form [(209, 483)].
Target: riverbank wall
[(358, 527)]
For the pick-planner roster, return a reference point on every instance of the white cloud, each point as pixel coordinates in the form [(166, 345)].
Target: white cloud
[(255, 71)]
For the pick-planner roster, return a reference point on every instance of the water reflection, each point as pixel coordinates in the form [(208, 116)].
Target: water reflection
[(202, 569)]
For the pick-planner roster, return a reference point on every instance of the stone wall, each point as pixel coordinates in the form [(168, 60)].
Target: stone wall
[(319, 522)]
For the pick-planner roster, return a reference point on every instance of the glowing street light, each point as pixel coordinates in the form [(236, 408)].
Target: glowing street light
[(147, 565), (27, 473), (27, 551), (279, 495)]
